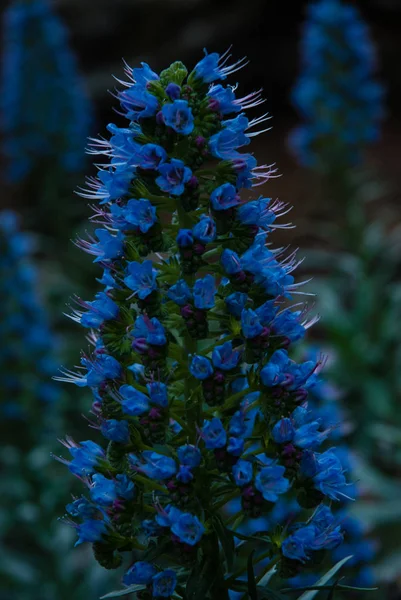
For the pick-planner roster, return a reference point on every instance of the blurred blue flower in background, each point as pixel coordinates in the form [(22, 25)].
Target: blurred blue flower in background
[(45, 111), (27, 347), (336, 93)]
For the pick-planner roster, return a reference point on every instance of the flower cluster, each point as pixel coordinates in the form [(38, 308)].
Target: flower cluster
[(336, 92), (45, 112), (194, 387), (27, 344)]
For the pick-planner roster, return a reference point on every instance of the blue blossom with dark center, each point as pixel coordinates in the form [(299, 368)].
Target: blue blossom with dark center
[(205, 230), (173, 177), (225, 357), (243, 472), (152, 155), (336, 94), (179, 117), (201, 367), (188, 529), (164, 584), (224, 197), (213, 434), (158, 466)]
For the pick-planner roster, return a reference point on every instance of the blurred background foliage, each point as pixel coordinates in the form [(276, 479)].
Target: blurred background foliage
[(57, 61)]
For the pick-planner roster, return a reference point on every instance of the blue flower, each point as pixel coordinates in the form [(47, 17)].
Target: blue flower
[(287, 324), (124, 487), (205, 230), (225, 357), (236, 302), (173, 91), (271, 483), (231, 262), (115, 183), (141, 278), (189, 455), (201, 367), (138, 102), (134, 402), (102, 368), (140, 573), (158, 393), (214, 434), (283, 431), (81, 507), (173, 177), (178, 116), (90, 530), (86, 457), (152, 155), (144, 74), (102, 309), (326, 472), (243, 472), (164, 584), (188, 529), (223, 99), (225, 143), (235, 446), (184, 238), (224, 197), (103, 490), (158, 466), (179, 292), (108, 247), (137, 214), (115, 431), (257, 213), (250, 323), (149, 330), (204, 292)]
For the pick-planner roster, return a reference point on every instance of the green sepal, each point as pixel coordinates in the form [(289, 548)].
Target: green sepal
[(175, 73)]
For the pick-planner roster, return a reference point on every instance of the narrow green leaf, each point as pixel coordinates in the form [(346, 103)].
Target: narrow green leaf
[(129, 590), (252, 588), (226, 539), (325, 579)]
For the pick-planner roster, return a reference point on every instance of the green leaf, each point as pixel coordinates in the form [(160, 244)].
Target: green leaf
[(129, 590), (226, 538), (252, 588), (325, 579)]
